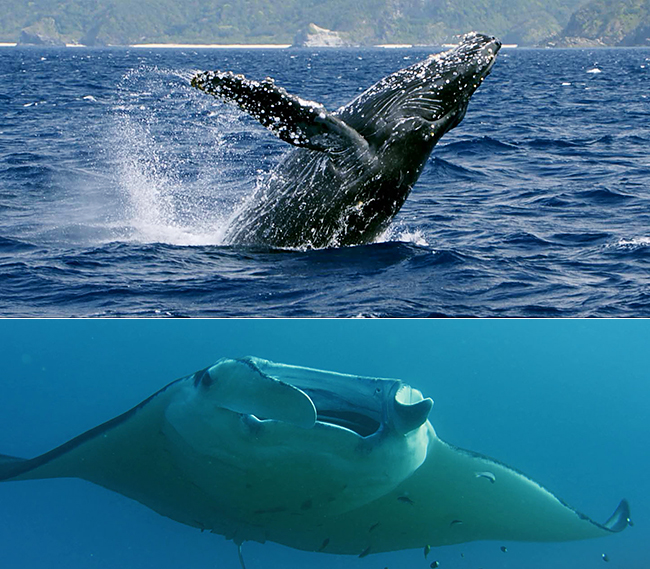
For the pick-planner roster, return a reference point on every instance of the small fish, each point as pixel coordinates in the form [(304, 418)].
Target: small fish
[(434, 564), (455, 522), (504, 549), (406, 500), (605, 558), (491, 477), (427, 549), (365, 552)]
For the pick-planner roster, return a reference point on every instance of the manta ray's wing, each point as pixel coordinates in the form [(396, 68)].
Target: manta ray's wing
[(458, 496), (294, 120), (126, 454), (132, 454)]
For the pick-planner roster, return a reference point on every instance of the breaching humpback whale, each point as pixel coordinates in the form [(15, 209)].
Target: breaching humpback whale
[(354, 167), (311, 459)]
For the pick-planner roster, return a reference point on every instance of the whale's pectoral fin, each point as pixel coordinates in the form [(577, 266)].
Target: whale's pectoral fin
[(294, 120)]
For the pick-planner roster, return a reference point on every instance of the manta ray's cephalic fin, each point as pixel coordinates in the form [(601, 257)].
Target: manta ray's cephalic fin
[(294, 120)]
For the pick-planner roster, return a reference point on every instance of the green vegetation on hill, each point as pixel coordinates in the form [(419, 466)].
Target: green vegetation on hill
[(609, 22), (366, 22)]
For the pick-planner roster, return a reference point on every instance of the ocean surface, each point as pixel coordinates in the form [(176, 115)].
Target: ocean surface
[(565, 402), (117, 180)]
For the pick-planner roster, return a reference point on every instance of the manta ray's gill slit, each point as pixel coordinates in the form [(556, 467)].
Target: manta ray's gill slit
[(178, 177)]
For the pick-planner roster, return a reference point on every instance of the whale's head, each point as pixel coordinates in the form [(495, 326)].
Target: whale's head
[(425, 100)]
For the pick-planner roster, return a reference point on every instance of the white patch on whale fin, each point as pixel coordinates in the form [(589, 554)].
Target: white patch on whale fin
[(294, 120)]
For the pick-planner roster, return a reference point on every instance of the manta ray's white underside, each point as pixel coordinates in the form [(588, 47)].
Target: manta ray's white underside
[(314, 460)]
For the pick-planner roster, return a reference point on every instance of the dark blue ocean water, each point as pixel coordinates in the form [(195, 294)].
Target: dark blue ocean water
[(566, 402), (117, 178)]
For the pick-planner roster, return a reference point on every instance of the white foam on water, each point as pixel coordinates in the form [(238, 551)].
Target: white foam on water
[(403, 234), (631, 243), (594, 70)]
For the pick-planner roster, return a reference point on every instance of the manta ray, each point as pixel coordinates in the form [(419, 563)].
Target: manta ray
[(354, 167), (315, 460)]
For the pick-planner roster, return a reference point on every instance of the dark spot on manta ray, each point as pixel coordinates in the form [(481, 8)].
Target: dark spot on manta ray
[(405, 500), (324, 544)]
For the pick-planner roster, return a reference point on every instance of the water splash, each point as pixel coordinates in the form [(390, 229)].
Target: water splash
[(179, 175)]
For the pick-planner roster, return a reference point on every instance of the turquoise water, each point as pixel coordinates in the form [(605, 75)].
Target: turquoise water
[(566, 402)]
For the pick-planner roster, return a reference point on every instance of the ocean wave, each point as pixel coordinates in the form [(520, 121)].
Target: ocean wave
[(603, 195), (477, 146), (444, 170)]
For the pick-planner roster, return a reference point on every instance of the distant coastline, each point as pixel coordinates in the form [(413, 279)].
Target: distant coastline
[(287, 46), (210, 45), (245, 45)]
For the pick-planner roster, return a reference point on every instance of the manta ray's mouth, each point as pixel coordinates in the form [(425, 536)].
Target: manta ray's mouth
[(307, 397), (361, 424), (401, 409)]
